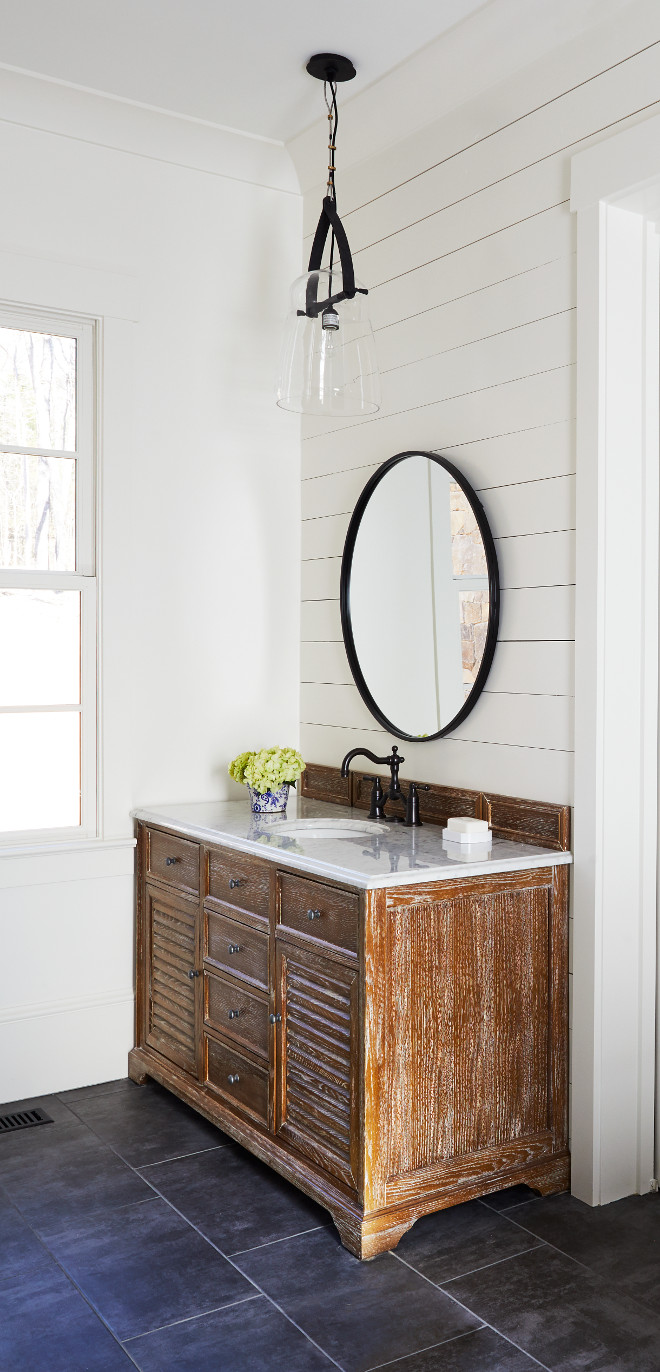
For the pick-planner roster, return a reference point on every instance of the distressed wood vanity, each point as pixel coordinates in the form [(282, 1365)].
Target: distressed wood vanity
[(391, 1045)]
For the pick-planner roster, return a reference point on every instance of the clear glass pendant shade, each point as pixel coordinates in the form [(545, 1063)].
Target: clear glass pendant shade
[(328, 362)]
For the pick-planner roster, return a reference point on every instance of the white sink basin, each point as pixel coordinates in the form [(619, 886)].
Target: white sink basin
[(329, 828)]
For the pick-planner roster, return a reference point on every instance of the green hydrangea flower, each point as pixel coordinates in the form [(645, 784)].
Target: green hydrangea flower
[(268, 769), (236, 768)]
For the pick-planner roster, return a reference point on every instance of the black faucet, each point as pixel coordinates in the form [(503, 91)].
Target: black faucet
[(394, 792)]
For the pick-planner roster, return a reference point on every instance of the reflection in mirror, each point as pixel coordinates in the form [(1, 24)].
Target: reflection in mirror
[(416, 596)]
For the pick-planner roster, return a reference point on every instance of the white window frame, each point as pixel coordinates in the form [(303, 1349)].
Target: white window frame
[(84, 579)]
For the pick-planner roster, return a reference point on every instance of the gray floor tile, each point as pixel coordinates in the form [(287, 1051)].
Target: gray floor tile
[(481, 1351), (100, 1088), (460, 1239), (361, 1313), (47, 1326), (20, 1249), (510, 1196), (146, 1124), (252, 1337), (143, 1266), (235, 1200), (620, 1241), (562, 1314), (67, 1174)]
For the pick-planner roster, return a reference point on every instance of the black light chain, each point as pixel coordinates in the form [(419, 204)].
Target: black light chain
[(333, 124)]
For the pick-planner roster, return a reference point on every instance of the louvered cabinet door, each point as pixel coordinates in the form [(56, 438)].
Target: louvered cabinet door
[(318, 1057), (170, 1001)]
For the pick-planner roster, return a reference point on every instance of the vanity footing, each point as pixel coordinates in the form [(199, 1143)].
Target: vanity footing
[(381, 1231), (136, 1071)]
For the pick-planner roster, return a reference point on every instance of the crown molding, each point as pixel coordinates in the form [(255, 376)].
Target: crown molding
[(53, 107)]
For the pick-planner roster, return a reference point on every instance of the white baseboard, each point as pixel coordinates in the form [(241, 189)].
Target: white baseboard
[(60, 1045)]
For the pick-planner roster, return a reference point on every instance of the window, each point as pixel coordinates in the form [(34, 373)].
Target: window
[(47, 577)]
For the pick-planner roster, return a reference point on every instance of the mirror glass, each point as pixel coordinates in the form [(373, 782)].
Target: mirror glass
[(419, 596)]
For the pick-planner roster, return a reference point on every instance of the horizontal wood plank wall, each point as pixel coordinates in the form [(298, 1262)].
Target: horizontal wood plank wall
[(464, 236)]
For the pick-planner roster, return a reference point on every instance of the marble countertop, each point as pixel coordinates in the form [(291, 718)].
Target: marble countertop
[(390, 856)]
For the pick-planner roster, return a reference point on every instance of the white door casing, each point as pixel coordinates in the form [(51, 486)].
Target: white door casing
[(615, 190)]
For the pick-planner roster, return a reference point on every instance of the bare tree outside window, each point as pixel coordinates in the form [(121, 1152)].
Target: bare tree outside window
[(48, 589), (37, 411)]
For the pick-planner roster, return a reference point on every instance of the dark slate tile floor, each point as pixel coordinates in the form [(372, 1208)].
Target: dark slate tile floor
[(134, 1234)]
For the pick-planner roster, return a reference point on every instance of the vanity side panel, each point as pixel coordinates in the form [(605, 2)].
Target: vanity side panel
[(470, 1069)]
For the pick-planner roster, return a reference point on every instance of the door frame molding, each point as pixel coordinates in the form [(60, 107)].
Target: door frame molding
[(615, 192)]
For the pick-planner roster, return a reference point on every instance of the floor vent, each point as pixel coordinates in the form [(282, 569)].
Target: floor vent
[(23, 1119)]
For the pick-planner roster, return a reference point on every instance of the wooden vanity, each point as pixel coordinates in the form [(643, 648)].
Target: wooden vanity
[(391, 1049)]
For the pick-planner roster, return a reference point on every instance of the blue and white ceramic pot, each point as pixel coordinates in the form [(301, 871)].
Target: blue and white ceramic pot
[(267, 802)]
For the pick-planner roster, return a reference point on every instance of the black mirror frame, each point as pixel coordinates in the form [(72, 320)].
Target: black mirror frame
[(345, 596)]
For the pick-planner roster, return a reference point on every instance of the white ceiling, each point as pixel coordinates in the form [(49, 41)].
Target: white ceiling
[(241, 65)]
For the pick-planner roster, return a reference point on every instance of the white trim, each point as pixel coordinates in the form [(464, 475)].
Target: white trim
[(29, 278), (82, 845), (50, 864), (40, 1009), (618, 168), (142, 105), (614, 188)]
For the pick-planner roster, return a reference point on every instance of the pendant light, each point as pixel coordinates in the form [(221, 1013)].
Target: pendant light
[(328, 364)]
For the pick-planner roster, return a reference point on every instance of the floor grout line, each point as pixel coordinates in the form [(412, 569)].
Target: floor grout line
[(463, 1306), (188, 1319), (467, 1333), (177, 1157), (547, 1244), (270, 1243), (484, 1266)]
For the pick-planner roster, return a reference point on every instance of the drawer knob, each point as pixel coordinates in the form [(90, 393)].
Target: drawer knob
[(233, 1014), (169, 862), (313, 914), (233, 1078), (275, 1019), (192, 974), (234, 947), (235, 881)]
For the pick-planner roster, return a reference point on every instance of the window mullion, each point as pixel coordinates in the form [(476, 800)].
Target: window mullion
[(15, 579)]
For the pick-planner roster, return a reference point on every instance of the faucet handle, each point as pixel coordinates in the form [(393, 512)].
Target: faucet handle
[(412, 819), (377, 807)]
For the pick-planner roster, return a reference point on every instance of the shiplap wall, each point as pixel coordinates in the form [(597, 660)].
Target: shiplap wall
[(463, 234)]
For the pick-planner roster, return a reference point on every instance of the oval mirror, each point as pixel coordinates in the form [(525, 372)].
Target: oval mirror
[(419, 596)]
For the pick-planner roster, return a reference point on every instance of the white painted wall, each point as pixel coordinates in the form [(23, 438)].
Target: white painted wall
[(182, 240), (463, 232)]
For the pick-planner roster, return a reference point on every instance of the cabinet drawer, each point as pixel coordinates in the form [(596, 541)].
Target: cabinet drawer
[(239, 879), (322, 912), (236, 948), (174, 860), (239, 1080), (231, 1009)]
